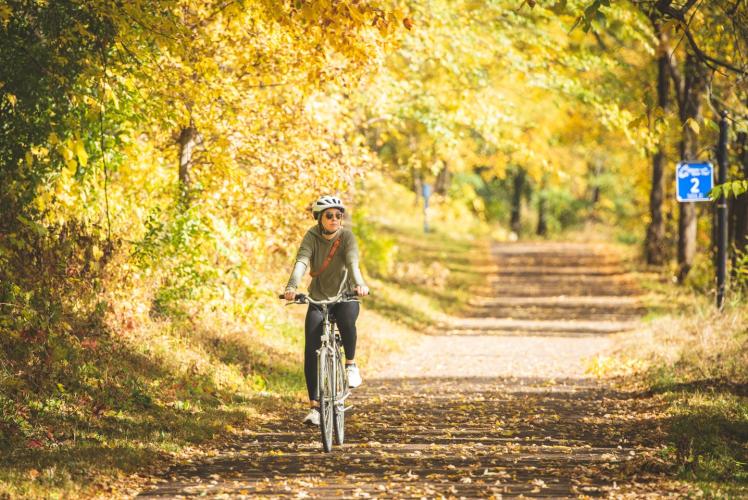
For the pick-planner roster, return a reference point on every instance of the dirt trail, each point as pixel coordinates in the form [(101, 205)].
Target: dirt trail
[(496, 403)]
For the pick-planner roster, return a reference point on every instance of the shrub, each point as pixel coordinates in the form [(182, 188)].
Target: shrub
[(378, 252)]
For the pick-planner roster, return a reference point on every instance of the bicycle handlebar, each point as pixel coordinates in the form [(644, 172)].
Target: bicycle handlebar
[(301, 298)]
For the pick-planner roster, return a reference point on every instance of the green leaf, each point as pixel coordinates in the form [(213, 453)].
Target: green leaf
[(80, 152), (34, 226), (734, 188)]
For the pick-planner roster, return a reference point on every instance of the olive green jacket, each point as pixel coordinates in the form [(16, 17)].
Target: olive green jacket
[(341, 275)]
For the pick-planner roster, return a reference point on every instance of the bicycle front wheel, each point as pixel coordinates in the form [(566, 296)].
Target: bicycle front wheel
[(341, 385), (326, 384)]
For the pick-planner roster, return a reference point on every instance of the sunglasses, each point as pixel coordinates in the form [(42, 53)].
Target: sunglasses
[(333, 215)]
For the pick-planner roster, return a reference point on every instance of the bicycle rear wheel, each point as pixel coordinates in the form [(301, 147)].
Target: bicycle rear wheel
[(326, 396), (341, 385)]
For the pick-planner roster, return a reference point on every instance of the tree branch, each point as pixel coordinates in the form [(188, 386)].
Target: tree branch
[(221, 8), (735, 8), (706, 58), (665, 7), (600, 42), (688, 6)]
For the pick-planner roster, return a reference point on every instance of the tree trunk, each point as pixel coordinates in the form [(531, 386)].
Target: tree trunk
[(732, 204), (415, 173), (417, 184), (519, 187), (655, 243), (542, 229), (187, 141), (442, 181), (686, 239), (694, 86), (741, 203), (595, 173)]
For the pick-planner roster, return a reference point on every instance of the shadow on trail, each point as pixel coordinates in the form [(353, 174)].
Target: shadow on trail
[(471, 437), (718, 385), (462, 428)]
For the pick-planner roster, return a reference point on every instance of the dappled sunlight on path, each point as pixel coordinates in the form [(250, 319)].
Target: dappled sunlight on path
[(471, 437), (525, 334), (496, 403)]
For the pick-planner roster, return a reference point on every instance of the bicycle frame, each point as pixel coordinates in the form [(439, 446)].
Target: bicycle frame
[(332, 381), (331, 341)]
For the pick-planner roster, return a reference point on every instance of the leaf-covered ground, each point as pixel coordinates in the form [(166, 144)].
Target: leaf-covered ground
[(495, 403)]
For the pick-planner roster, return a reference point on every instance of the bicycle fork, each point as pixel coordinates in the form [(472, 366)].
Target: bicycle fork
[(345, 390)]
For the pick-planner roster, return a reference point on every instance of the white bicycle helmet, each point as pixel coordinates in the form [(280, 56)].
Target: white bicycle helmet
[(325, 202)]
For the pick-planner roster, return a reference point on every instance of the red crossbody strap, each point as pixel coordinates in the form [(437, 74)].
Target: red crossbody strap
[(329, 257)]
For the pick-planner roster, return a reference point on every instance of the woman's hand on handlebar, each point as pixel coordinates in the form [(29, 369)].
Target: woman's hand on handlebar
[(300, 298)]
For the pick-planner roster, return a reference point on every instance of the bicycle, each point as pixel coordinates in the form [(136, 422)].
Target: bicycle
[(332, 379)]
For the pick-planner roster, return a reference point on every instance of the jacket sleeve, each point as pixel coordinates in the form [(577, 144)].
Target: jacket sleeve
[(352, 260), (303, 258)]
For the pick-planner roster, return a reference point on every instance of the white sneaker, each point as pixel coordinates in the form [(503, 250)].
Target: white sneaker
[(354, 377), (312, 418)]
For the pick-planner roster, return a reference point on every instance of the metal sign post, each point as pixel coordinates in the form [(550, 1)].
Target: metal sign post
[(721, 257), (694, 181)]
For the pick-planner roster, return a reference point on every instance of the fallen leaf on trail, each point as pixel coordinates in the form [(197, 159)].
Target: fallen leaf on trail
[(446, 438), (539, 483)]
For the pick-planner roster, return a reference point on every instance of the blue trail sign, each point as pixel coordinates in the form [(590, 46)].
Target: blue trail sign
[(694, 181), (426, 192)]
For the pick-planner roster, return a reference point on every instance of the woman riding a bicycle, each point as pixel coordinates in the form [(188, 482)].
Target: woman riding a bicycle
[(331, 254)]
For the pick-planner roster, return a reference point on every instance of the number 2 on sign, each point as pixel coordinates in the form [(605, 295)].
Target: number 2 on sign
[(695, 186)]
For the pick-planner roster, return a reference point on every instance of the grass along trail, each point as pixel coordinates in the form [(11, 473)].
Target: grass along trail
[(494, 403)]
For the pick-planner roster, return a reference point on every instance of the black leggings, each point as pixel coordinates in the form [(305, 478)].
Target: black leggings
[(346, 314)]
